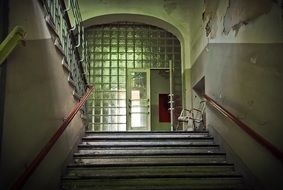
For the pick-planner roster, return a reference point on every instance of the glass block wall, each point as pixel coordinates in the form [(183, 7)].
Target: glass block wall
[(113, 48)]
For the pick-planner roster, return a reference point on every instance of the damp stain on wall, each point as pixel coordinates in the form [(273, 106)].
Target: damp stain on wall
[(242, 12), (238, 14)]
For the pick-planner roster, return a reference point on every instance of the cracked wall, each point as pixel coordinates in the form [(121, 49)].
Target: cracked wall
[(209, 17), (242, 12), (237, 14), (241, 62)]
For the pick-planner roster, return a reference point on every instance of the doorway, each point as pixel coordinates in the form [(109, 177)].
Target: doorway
[(138, 96), (159, 93), (115, 50), (148, 100)]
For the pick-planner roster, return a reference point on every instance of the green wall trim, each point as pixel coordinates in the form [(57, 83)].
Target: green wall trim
[(10, 42)]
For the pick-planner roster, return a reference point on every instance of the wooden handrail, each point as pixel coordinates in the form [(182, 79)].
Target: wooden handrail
[(44, 151), (261, 140), (10, 42)]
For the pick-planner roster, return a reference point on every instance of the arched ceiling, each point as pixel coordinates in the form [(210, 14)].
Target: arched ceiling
[(175, 16), (110, 18)]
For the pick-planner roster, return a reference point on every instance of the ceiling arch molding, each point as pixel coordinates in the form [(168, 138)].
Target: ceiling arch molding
[(150, 20)]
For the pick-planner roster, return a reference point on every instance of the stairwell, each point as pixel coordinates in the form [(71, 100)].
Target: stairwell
[(150, 160)]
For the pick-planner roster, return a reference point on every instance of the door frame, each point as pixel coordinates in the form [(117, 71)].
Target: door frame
[(147, 71), (156, 111)]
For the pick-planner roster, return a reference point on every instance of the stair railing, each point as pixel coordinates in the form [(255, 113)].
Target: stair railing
[(10, 42), (69, 39), (258, 138), (44, 151)]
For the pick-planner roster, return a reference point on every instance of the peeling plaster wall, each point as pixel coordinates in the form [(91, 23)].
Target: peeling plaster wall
[(210, 17), (241, 21), (239, 52), (267, 28), (242, 12)]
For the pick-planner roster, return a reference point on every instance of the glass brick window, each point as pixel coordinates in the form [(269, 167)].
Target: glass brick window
[(114, 48)]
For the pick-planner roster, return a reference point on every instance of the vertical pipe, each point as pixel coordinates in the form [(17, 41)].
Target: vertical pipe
[(171, 94), (92, 113)]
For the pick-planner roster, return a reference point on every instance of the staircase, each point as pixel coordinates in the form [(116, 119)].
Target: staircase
[(152, 161)]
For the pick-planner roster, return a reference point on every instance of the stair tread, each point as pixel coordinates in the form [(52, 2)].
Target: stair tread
[(146, 143), (156, 168), (136, 138), (160, 175), (152, 153), (145, 139), (144, 132), (137, 146), (145, 136), (91, 165), (149, 151), (159, 183), (150, 161), (216, 170)]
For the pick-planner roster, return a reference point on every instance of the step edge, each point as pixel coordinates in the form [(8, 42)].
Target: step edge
[(152, 177), (152, 154)]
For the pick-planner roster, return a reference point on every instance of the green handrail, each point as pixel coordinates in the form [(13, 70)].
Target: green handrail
[(10, 42)]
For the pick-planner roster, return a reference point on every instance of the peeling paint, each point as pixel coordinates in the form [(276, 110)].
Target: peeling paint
[(242, 12), (253, 59), (210, 17)]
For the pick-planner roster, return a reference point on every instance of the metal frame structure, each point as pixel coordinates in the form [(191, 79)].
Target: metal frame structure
[(114, 48), (69, 39)]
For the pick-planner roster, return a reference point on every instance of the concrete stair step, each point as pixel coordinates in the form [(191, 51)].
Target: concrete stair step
[(174, 183), (131, 133), (149, 150), (147, 153), (150, 161), (135, 160), (163, 142), (143, 138), (123, 171), (93, 146), (152, 176), (144, 135)]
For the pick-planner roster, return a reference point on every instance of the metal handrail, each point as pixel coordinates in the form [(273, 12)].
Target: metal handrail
[(10, 42), (258, 138), (44, 151)]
